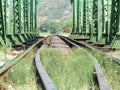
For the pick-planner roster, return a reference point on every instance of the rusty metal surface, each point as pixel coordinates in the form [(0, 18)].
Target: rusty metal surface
[(47, 82)]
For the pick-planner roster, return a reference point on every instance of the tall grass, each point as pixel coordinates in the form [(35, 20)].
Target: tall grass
[(75, 36), (23, 74), (4, 50), (72, 72), (111, 70)]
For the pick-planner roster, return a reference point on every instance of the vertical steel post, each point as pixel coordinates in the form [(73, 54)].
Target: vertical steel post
[(78, 16), (8, 21), (115, 20), (82, 9), (26, 16), (2, 24), (17, 21), (107, 18), (31, 16), (36, 16), (100, 20), (90, 9), (17, 16), (97, 19), (84, 17), (87, 18), (74, 16)]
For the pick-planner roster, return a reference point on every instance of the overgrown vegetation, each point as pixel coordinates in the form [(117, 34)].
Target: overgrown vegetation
[(111, 70), (4, 50), (55, 27), (23, 74), (72, 72), (77, 36), (54, 10), (54, 16)]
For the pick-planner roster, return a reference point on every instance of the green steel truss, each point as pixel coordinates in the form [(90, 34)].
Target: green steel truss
[(74, 16), (98, 20), (84, 17), (114, 36), (17, 21), (2, 27)]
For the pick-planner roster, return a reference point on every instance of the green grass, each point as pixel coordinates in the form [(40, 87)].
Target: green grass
[(77, 36), (3, 53), (72, 72), (44, 34), (111, 71), (23, 74)]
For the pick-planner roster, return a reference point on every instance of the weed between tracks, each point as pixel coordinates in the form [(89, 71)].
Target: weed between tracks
[(3, 53), (76, 36), (73, 72), (23, 74), (111, 70)]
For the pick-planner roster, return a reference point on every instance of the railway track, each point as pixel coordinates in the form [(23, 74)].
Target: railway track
[(101, 51), (63, 44)]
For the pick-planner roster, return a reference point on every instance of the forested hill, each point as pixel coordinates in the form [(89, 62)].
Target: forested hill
[(54, 11)]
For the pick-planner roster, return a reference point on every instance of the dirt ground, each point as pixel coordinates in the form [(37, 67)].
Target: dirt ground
[(59, 45)]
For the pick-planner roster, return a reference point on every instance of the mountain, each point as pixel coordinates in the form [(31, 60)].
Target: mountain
[(54, 10)]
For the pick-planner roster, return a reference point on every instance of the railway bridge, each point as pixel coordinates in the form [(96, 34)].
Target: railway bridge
[(58, 58), (96, 20)]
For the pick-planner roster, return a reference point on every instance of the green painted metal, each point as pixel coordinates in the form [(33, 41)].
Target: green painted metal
[(74, 16), (98, 20), (31, 15), (2, 25), (17, 21), (115, 19), (90, 16), (71, 1), (114, 36), (84, 17), (8, 22), (78, 16), (36, 16)]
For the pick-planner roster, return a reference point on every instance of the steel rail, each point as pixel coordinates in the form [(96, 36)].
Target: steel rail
[(47, 82), (86, 46), (9, 64), (102, 81)]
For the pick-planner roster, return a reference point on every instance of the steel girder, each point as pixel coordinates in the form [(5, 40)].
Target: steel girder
[(97, 21), (17, 21), (35, 18), (106, 22), (81, 17), (78, 16), (115, 19), (26, 16), (2, 25), (8, 22), (114, 32), (84, 17), (74, 16), (31, 15)]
